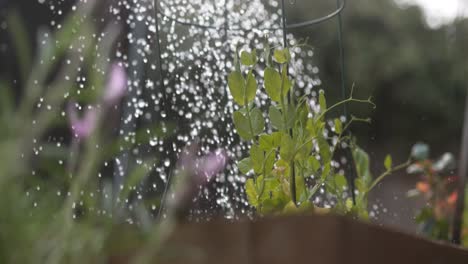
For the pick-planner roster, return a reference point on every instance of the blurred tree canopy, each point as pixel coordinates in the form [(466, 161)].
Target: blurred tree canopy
[(416, 74)]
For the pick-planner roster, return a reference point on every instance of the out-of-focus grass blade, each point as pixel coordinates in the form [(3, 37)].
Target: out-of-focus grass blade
[(137, 175), (21, 43)]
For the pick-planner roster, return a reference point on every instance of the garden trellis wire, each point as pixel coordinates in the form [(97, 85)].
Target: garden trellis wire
[(226, 27)]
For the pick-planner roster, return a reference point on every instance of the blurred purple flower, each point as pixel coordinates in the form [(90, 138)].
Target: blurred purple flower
[(116, 86), (198, 172), (208, 166), (82, 127), (113, 92)]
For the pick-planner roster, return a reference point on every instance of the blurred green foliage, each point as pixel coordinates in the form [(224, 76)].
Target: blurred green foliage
[(416, 74)]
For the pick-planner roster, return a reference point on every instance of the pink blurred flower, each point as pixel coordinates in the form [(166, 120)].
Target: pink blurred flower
[(115, 89), (116, 86), (208, 166), (198, 172), (82, 127)]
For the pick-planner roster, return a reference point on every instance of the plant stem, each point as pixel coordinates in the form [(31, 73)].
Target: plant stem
[(262, 190), (385, 174), (368, 101)]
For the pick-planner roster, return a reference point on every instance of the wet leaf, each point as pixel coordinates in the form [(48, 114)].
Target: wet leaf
[(257, 155), (313, 163), (245, 165), (340, 181), (248, 59), (282, 56), (258, 122), (322, 101), (290, 116), (338, 126), (236, 85), (388, 163), (272, 82), (361, 159), (242, 126), (266, 142), (287, 147), (287, 84), (251, 191), (324, 149), (251, 87), (276, 118)]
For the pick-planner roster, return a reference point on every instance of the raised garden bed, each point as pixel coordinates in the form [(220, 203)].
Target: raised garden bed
[(305, 239)]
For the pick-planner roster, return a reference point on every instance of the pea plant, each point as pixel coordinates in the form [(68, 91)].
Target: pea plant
[(291, 151)]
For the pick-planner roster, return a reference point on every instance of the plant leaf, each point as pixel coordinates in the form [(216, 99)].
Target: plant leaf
[(322, 101), (338, 126), (287, 147), (324, 149), (251, 191), (248, 59), (388, 163), (251, 87), (245, 165), (266, 142), (272, 82), (282, 56), (258, 122), (236, 85), (257, 155), (313, 163), (340, 181), (242, 126), (287, 84), (276, 118)]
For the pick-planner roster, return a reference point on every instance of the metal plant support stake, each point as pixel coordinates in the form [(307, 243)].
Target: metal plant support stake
[(462, 174)]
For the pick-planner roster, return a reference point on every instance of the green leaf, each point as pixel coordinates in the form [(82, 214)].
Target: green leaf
[(338, 126), (326, 170), (248, 59), (251, 87), (361, 159), (236, 85), (245, 165), (322, 101), (276, 118), (313, 163), (324, 149), (290, 116), (388, 162), (135, 177), (349, 204), (277, 138), (258, 122), (287, 84), (257, 155), (272, 82), (287, 148), (270, 162), (242, 126), (251, 191), (340, 181), (266, 142), (282, 56), (269, 142), (19, 35)]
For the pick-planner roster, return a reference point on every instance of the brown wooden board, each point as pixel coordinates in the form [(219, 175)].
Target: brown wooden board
[(304, 239)]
